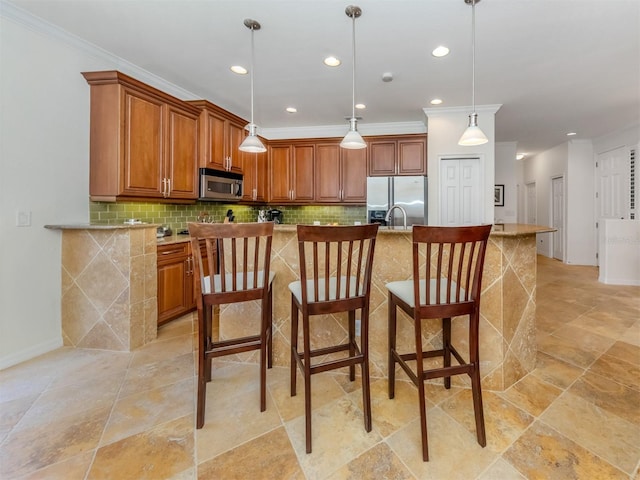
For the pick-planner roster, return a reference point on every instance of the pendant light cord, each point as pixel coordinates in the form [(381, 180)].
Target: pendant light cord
[(252, 50), (353, 67), (473, 56)]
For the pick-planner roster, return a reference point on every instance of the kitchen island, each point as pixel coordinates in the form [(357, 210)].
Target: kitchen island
[(508, 305), (109, 296)]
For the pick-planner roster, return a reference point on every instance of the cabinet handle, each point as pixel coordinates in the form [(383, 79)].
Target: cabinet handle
[(164, 187), (255, 193), (168, 187), (171, 252)]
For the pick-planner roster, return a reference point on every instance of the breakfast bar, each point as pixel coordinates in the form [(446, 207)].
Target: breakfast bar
[(109, 296)]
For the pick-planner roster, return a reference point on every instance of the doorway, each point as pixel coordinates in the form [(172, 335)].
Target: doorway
[(461, 199), (557, 216), (530, 204)]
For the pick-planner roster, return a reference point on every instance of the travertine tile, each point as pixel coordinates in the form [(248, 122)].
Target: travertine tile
[(72, 468), (141, 411), (501, 470), (338, 436), (267, 456), (569, 416), (557, 457), (531, 395), (453, 452), (609, 395), (376, 463), (504, 422), (160, 452), (556, 372), (324, 389), (238, 416), (33, 448), (624, 372)]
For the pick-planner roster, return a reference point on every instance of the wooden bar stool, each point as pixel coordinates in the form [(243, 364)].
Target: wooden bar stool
[(232, 262), (335, 276), (447, 277)]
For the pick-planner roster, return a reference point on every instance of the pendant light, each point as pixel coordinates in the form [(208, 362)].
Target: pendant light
[(473, 135), (251, 142), (353, 140)]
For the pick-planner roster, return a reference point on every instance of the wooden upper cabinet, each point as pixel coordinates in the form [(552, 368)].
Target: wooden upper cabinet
[(182, 153), (341, 174), (143, 142), (291, 173), (221, 133), (397, 155)]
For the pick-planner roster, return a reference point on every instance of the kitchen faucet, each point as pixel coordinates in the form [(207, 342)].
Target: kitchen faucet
[(404, 214)]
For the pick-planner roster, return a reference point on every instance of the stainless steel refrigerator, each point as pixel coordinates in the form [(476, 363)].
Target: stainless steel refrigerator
[(408, 192)]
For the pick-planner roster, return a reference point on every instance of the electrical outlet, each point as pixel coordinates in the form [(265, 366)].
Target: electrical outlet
[(357, 327)]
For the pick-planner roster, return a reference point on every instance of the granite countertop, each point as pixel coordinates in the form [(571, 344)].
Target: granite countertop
[(499, 230), (100, 226)]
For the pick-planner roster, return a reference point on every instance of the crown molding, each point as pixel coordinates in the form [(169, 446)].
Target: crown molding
[(331, 131)]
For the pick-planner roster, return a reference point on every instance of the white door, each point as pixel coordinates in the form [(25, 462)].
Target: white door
[(613, 174), (460, 192), (557, 214), (530, 204)]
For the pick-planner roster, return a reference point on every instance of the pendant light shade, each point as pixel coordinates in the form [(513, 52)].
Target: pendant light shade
[(473, 135), (353, 140), (252, 143)]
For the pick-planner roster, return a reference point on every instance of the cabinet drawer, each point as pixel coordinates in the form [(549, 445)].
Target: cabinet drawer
[(172, 252)]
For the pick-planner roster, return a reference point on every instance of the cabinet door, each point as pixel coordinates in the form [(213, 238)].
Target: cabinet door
[(327, 176), (182, 154), (279, 173), (142, 154), (303, 173), (235, 136), (214, 139), (382, 158), (412, 157), (254, 168), (262, 193), (354, 176), (175, 285)]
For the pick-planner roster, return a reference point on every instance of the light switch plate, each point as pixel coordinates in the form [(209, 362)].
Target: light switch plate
[(23, 218)]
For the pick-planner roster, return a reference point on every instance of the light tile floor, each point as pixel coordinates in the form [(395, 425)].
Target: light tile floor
[(75, 414)]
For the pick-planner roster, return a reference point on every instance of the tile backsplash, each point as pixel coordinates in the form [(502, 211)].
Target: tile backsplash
[(177, 216)]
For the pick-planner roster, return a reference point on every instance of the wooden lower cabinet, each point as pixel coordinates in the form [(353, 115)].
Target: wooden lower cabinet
[(175, 281)]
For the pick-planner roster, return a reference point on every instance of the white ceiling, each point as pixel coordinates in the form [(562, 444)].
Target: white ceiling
[(554, 65)]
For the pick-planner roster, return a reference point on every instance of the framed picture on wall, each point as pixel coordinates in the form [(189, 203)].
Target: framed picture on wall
[(498, 196)]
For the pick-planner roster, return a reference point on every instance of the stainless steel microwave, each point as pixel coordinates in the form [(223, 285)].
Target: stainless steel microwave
[(215, 185)]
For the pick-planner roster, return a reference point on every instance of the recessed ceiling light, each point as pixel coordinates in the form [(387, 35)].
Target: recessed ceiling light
[(520, 156), (360, 106), (571, 134), (239, 70), (436, 101), (440, 51), (292, 109), (331, 62)]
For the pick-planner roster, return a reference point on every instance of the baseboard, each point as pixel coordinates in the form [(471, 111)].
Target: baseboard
[(620, 281), (29, 353)]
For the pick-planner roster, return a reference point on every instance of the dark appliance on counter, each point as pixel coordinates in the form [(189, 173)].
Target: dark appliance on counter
[(377, 216), (274, 215), (222, 186)]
